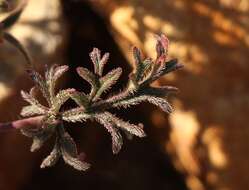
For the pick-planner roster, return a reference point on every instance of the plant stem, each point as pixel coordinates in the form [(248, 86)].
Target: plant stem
[(19, 124)]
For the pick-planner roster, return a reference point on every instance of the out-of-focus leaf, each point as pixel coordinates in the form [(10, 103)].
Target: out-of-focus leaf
[(14, 16), (12, 40)]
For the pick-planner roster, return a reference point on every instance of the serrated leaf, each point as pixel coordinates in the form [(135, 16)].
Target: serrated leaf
[(60, 98), (80, 98), (75, 115), (125, 125), (98, 62), (30, 99), (69, 153), (168, 67), (102, 63), (117, 140), (107, 81), (41, 84), (31, 111), (52, 76), (130, 101), (13, 41), (90, 78), (53, 157), (95, 57), (161, 103)]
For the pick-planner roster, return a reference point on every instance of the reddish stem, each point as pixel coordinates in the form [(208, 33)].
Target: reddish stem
[(18, 124)]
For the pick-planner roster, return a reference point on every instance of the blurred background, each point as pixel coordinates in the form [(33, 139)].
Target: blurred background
[(202, 145)]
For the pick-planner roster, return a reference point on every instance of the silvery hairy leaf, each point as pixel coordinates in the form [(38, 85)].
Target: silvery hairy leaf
[(117, 140), (69, 153), (53, 157), (107, 81)]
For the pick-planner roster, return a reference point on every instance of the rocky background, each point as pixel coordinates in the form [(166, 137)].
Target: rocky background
[(203, 145)]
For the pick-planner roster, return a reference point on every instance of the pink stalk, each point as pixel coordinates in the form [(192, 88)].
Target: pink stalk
[(18, 124)]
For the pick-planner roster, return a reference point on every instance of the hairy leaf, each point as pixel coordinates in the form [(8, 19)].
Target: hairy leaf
[(107, 81), (117, 140), (80, 98), (90, 78), (95, 57), (141, 66), (161, 103), (31, 111), (39, 135), (61, 98), (102, 63), (53, 157), (41, 83), (52, 75), (125, 125), (69, 153), (162, 45), (75, 115), (163, 91), (36, 105)]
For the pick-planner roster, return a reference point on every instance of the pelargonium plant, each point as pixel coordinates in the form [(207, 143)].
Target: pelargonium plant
[(41, 122)]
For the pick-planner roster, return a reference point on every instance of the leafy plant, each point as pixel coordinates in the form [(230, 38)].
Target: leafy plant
[(50, 118)]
